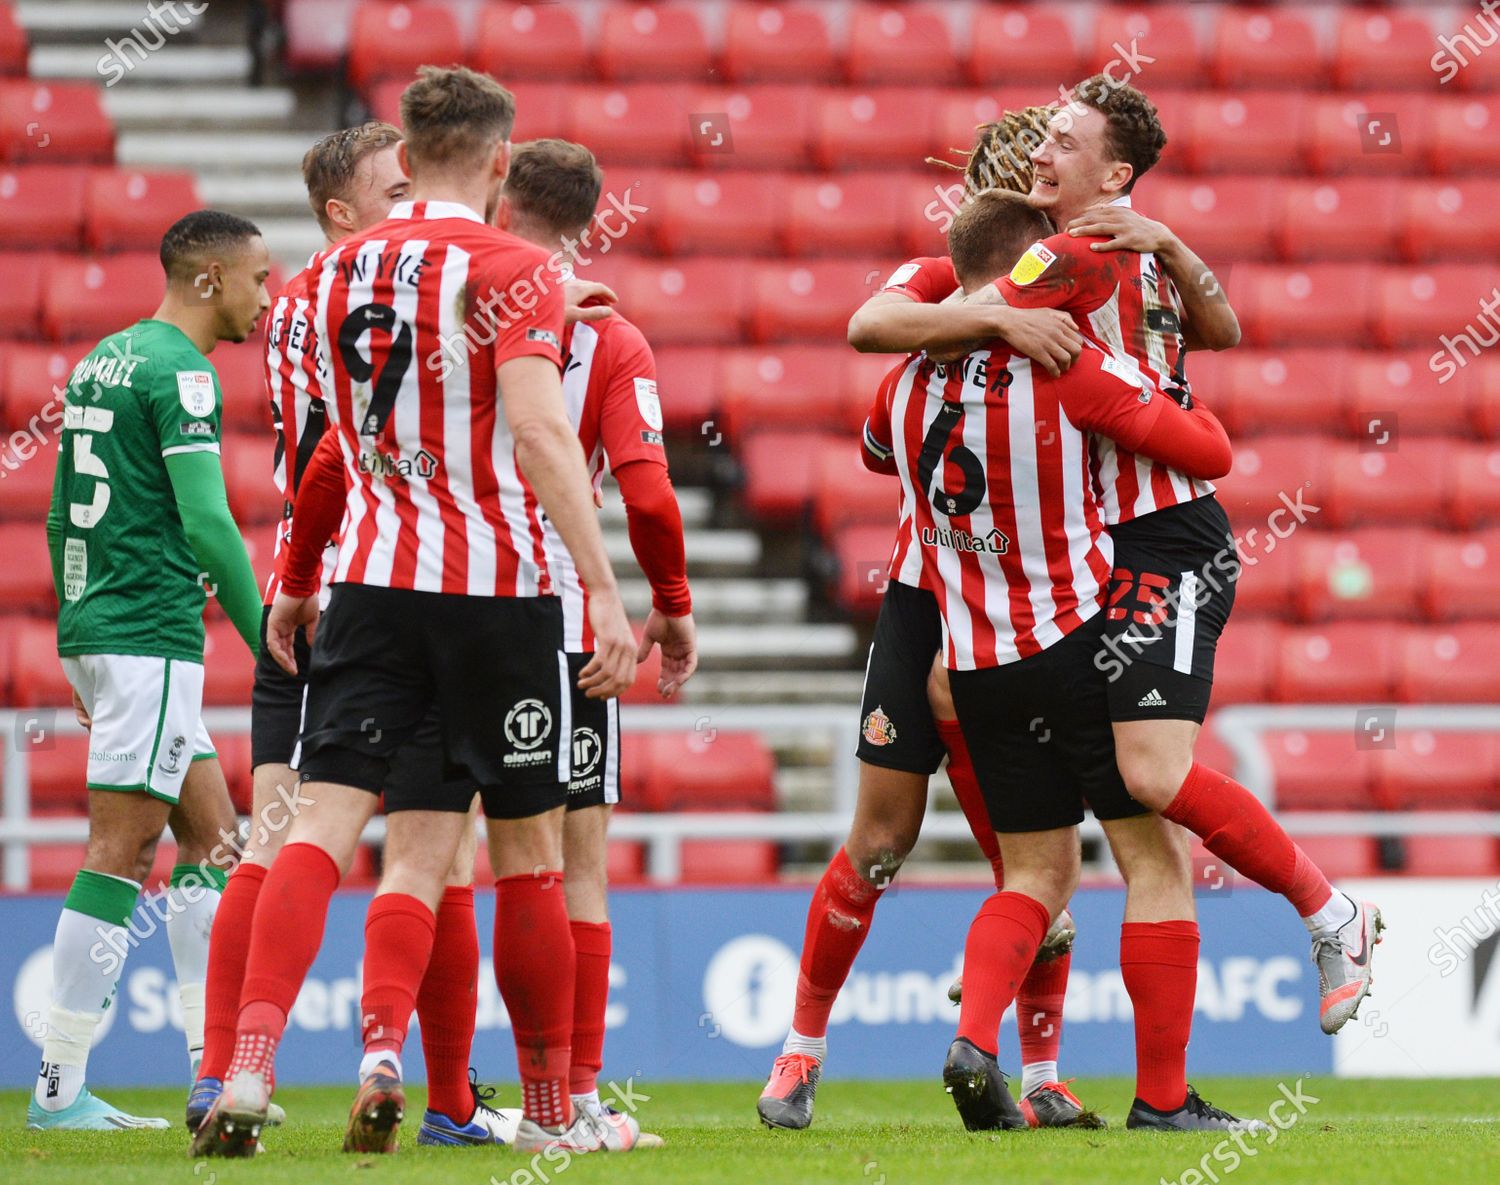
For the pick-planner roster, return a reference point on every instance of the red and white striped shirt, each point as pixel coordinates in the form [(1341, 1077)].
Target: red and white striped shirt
[(413, 317)]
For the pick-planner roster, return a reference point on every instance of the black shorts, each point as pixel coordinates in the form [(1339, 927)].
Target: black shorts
[(1169, 599), (492, 669), (1038, 731), (276, 703), (896, 728), (419, 780), (596, 744)]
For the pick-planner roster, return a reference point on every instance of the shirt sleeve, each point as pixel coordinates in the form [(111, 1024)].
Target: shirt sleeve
[(1064, 273), (927, 279), (879, 453), (186, 406), (319, 509), (629, 409), (525, 303)]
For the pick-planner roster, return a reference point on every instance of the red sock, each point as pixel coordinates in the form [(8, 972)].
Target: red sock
[(284, 939), (228, 948), (1001, 947), (1039, 1008), (534, 968), (1159, 963), (592, 941), (838, 918), (446, 1003), (970, 796), (1236, 827), (399, 930)]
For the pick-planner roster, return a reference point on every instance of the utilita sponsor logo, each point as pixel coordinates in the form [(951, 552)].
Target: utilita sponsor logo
[(423, 465), (956, 539)]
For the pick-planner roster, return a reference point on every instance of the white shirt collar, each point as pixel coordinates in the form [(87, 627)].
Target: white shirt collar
[(407, 211), (1122, 200)]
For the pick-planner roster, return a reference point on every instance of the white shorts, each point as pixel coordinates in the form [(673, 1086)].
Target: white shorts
[(148, 720)]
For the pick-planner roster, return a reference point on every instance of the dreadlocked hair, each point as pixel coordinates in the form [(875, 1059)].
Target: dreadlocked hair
[(1001, 156)]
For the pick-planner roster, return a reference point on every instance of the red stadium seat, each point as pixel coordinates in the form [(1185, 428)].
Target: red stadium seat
[(1261, 47), (1371, 573), (1387, 48), (778, 385), (13, 48), (636, 123), (1457, 664), (530, 41), (233, 752), (253, 496), (1342, 857), (1321, 771), (624, 862), (1404, 481), (543, 109), (27, 492), (857, 128), (860, 376), (839, 215), (37, 677), (779, 471), (1266, 468), (228, 666), (1164, 32), (131, 211), (958, 118), (1342, 662), (1351, 218), (1449, 219), (1451, 855), (651, 41), (31, 377), (729, 861), (21, 294), (1464, 134), (1401, 389), (1245, 662), (1435, 771), (1249, 132), (392, 40), (59, 775), (899, 43), (317, 34), (687, 378), (1015, 42), (777, 42), (53, 866), (26, 575), (809, 299), (647, 675), (862, 557), (1306, 305), (686, 302), (1251, 391), (1375, 133), (924, 211), (41, 206), (724, 213), (94, 297), (1463, 576), (1484, 392), (1223, 218), (1417, 306), (845, 493), (751, 127), (54, 122), (241, 368), (706, 770), (1474, 497)]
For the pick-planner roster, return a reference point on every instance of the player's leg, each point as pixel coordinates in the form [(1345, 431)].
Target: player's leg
[(899, 750)]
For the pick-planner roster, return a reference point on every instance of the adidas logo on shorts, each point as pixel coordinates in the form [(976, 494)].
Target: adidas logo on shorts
[(1152, 699)]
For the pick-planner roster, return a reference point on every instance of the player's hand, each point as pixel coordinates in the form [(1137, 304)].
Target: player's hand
[(678, 639), (1125, 229), (1048, 337), (612, 669), (585, 300), (287, 615), (80, 711)]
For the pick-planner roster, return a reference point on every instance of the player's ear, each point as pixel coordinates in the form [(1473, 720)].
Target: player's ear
[(1118, 177), (503, 212), (209, 282), (340, 215), (401, 157)]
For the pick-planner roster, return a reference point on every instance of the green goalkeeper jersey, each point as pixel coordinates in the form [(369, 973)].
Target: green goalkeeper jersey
[(130, 582)]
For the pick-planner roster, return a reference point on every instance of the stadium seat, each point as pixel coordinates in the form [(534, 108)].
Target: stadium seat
[(31, 376), (1404, 481), (839, 215), (721, 213), (1435, 771), (253, 496), (1463, 135), (542, 109), (241, 367), (860, 376), (26, 575), (1287, 390), (1462, 578), (233, 752), (895, 43), (706, 770), (21, 294), (1376, 572), (27, 492), (1386, 48), (655, 41), (53, 866), (41, 206), (1014, 42), (647, 675), (1474, 495), (228, 666), (94, 297), (1245, 662), (1417, 306), (845, 493), (1222, 218), (1320, 771), (1264, 47), (59, 775), (1484, 393), (13, 47), (1457, 664), (809, 299), (777, 42), (1306, 305), (881, 126), (1344, 218), (317, 34), (1450, 855), (54, 122), (1164, 32), (861, 562), (130, 211), (37, 678), (1342, 857), (636, 123), (687, 378), (392, 40), (1383, 133), (959, 115), (530, 41), (729, 861), (776, 386), (1449, 219), (1264, 469), (1400, 388), (687, 302), (751, 127), (1341, 662), (924, 211), (778, 468)]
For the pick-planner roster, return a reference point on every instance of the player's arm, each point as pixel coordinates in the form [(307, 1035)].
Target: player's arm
[(1209, 319), (316, 514), (203, 505), (877, 449)]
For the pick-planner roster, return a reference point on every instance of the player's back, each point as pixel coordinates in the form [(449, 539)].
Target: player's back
[(130, 577), (413, 317)]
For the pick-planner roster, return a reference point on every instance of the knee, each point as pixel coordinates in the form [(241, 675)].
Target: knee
[(1153, 775), (878, 855)]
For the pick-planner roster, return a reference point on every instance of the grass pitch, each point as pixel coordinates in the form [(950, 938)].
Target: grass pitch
[(866, 1133)]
